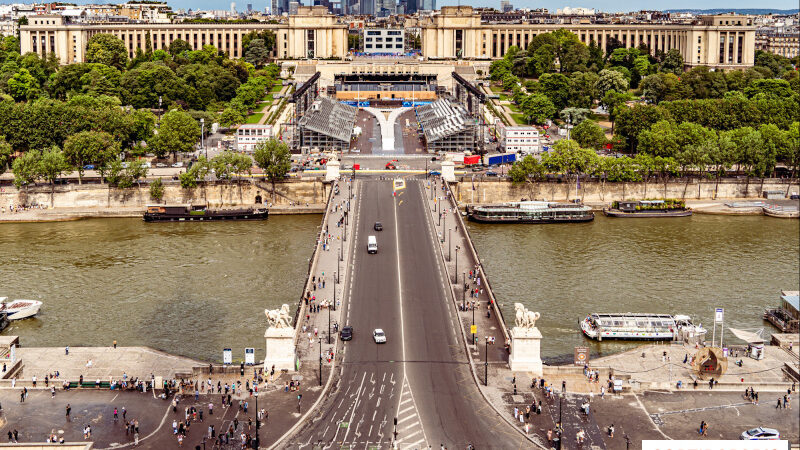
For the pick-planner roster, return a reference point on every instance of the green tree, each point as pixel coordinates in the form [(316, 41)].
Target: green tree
[(273, 158), (89, 147), (582, 89), (612, 101), (510, 81), (107, 49), (660, 87), (528, 169), (179, 47), (157, 189), (136, 169), (556, 87), (589, 134), (23, 86), (672, 62), (5, 154), (769, 87), (574, 116), (232, 116), (537, 108), (26, 168), (543, 61), (177, 133), (610, 80), (257, 53), (52, 164)]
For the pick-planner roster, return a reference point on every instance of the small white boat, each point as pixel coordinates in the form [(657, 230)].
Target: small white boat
[(19, 309), (635, 326)]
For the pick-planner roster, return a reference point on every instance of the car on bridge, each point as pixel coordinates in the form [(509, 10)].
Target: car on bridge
[(379, 336), (346, 334)]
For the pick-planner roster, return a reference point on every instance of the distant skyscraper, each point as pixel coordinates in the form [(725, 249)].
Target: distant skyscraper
[(233, 8), (427, 5), (506, 6), (249, 7), (293, 7), (368, 7)]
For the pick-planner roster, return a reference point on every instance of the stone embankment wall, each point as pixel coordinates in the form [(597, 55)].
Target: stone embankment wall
[(496, 191), (312, 191)]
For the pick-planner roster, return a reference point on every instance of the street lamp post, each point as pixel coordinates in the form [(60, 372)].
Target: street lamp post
[(320, 361), (449, 245), (159, 110), (455, 272), (329, 309), (486, 363), (329, 316), (258, 422)]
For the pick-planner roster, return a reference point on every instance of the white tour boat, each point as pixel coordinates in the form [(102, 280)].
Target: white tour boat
[(637, 326), (19, 309)]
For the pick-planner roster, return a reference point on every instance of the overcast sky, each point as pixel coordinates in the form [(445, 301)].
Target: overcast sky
[(603, 5)]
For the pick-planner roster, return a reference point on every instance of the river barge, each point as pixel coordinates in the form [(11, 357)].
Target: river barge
[(642, 327), (182, 213), (786, 317), (530, 212), (648, 208)]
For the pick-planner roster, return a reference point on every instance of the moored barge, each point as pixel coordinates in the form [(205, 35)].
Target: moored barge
[(530, 212), (182, 213), (648, 208), (638, 326)]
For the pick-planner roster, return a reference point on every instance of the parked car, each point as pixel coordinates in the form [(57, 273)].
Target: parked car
[(88, 167), (178, 164), (161, 165), (492, 173), (346, 334), (434, 172), (760, 434), (379, 336)]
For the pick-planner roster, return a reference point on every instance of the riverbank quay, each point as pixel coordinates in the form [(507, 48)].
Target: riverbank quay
[(66, 214), (215, 194), (483, 190)]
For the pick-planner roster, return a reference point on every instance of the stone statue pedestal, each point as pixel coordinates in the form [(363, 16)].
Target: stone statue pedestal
[(280, 349), (332, 170), (525, 352)]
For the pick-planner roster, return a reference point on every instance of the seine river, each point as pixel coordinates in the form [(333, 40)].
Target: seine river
[(671, 265), (194, 289)]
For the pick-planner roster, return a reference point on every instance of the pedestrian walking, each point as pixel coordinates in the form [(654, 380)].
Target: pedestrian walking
[(52, 392), (68, 410), (611, 431)]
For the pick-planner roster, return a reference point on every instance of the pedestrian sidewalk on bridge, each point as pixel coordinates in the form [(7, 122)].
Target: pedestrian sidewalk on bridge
[(490, 340), (333, 259)]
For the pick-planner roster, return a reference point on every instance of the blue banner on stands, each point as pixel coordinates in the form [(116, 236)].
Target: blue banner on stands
[(363, 104), (350, 103), (415, 103), (545, 148)]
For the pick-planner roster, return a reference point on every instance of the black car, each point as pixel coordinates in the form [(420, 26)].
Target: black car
[(378, 226), (346, 334)]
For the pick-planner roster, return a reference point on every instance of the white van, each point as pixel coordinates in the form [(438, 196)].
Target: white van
[(372, 244)]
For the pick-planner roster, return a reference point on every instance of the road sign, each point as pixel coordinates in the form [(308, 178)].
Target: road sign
[(249, 356), (581, 356), (227, 356), (473, 329), (719, 313)]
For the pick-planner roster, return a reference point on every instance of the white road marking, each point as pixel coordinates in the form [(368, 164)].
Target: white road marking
[(355, 404)]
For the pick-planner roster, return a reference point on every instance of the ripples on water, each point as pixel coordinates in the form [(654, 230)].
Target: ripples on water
[(189, 288), (678, 266), (194, 289)]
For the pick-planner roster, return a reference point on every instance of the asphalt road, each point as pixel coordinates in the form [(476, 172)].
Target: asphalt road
[(421, 375)]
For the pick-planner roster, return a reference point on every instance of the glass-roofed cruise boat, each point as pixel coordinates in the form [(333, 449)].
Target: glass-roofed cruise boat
[(637, 326)]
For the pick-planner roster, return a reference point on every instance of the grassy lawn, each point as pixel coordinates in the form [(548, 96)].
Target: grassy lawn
[(514, 107), (254, 118), (276, 88), (519, 118), (496, 89)]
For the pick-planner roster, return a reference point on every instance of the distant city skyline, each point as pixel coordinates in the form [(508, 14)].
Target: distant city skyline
[(601, 5)]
